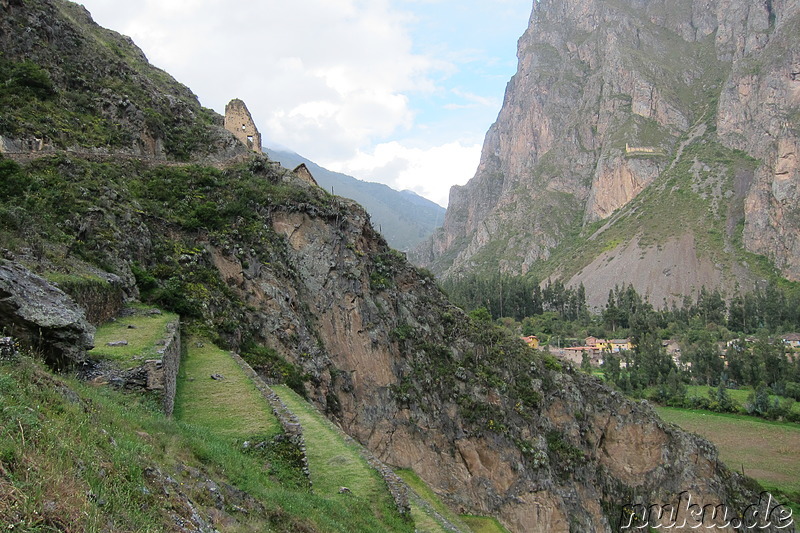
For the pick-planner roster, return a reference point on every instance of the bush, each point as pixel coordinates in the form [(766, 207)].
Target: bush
[(792, 390), (25, 79), (13, 182), (270, 363)]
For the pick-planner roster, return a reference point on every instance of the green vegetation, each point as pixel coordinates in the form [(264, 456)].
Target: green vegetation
[(700, 327), (142, 331), (430, 498), (476, 524), (271, 365), (74, 457), (97, 90), (155, 219), (73, 461)]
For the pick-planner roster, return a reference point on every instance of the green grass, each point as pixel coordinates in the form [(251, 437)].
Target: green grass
[(148, 329), (483, 524), (424, 491), (334, 463), (231, 407), (424, 522), (767, 451), (477, 524), (76, 457)]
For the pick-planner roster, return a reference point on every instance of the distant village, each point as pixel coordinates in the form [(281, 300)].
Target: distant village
[(596, 349)]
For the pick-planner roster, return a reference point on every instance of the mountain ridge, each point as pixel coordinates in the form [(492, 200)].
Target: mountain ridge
[(403, 217), (615, 98)]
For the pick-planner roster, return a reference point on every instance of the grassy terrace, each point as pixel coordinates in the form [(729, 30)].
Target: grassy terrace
[(766, 451), (231, 406), (142, 331), (334, 463), (476, 524), (483, 524), (232, 410)]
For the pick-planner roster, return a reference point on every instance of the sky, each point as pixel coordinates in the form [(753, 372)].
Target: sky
[(400, 92)]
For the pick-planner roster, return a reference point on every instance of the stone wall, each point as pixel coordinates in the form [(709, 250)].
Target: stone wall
[(239, 122), (159, 376), (102, 298), (171, 362)]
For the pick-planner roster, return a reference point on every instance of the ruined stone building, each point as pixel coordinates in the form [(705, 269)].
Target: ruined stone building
[(304, 174), (239, 122)]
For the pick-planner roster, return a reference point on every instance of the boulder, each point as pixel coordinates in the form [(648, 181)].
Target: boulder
[(42, 317)]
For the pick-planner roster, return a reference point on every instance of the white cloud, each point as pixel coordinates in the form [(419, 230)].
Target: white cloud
[(430, 172), (326, 77)]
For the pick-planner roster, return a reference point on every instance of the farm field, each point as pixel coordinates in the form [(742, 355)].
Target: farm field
[(766, 451)]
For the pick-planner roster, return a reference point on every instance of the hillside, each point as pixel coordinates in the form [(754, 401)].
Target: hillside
[(651, 142), (403, 217), (258, 261)]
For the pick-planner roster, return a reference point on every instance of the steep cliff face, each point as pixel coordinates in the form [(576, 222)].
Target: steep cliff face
[(492, 427), (610, 99)]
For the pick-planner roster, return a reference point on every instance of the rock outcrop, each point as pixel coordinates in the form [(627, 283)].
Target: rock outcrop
[(709, 83), (42, 317)]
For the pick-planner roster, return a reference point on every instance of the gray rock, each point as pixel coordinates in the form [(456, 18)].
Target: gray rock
[(117, 343), (42, 317)]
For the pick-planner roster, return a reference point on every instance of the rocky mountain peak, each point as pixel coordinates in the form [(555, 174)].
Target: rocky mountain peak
[(613, 99)]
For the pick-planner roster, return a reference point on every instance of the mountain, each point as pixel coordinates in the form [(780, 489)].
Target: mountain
[(121, 187), (651, 142), (403, 217)]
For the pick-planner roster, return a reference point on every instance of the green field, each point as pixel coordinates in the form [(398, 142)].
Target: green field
[(738, 395), (766, 451)]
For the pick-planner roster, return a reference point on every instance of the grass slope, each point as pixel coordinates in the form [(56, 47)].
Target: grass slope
[(770, 453), (483, 524), (78, 458)]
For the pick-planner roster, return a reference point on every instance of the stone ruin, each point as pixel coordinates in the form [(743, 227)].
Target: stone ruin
[(304, 174), (239, 122)]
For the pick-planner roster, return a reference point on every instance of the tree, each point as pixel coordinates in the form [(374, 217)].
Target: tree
[(675, 389), (611, 315), (771, 358), (721, 400), (586, 363), (611, 369), (705, 357), (758, 401)]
